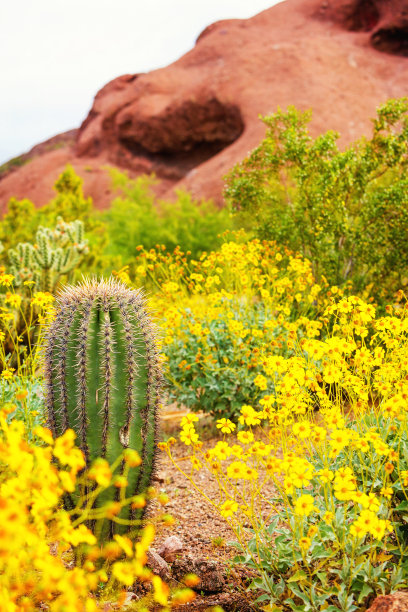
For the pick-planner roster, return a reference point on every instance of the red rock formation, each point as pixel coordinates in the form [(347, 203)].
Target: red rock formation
[(396, 602), (191, 121)]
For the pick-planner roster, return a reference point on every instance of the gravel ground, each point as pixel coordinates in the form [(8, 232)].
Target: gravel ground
[(203, 532)]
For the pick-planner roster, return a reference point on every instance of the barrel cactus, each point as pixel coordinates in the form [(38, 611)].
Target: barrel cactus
[(103, 381)]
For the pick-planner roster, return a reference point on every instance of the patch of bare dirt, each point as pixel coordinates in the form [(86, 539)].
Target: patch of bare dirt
[(204, 534)]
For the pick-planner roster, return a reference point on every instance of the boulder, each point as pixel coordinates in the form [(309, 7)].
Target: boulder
[(211, 576), (158, 565), (170, 548), (396, 602)]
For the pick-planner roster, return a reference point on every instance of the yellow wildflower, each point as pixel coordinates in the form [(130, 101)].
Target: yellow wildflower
[(13, 299), (188, 436), (305, 543), (100, 472), (7, 374), (226, 426), (304, 505), (228, 508), (245, 437)]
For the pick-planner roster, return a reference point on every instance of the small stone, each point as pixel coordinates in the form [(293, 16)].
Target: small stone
[(210, 574), (129, 598), (396, 602), (157, 564), (170, 548)]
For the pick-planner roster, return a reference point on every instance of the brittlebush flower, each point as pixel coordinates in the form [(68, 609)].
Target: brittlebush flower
[(191, 580), (249, 416), (132, 457), (325, 475), (66, 453), (304, 505), (188, 436), (13, 299), (161, 591), (228, 508), (328, 517), (183, 596), (196, 463), (123, 572), (125, 544), (344, 489), (7, 374), (245, 437), (6, 279), (261, 382), (304, 543), (42, 299), (138, 501), (386, 492), (226, 426), (188, 419), (302, 429), (389, 468), (100, 472), (237, 469)]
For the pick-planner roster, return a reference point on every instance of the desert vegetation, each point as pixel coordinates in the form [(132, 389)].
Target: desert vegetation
[(278, 325)]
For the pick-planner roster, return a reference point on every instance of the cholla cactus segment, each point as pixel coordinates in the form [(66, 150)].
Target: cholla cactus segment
[(56, 252), (103, 380)]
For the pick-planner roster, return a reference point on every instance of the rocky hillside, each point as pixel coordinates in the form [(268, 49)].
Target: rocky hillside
[(191, 121)]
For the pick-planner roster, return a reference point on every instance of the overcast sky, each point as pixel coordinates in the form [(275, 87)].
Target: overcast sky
[(56, 54)]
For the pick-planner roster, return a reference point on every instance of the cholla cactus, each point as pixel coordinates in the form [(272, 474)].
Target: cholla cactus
[(56, 253), (103, 379)]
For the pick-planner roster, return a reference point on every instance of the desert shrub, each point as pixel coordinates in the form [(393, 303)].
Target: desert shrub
[(48, 556), (17, 224), (23, 318), (219, 312), (70, 202), (137, 217), (213, 353), (344, 210), (22, 219), (318, 499), (22, 398)]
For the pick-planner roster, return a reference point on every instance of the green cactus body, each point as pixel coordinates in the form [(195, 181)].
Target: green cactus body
[(56, 253), (103, 381)]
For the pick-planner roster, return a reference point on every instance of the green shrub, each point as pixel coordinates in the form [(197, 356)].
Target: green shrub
[(138, 218), (135, 218), (219, 313), (22, 219), (212, 363), (347, 211)]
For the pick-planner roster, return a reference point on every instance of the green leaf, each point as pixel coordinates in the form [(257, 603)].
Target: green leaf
[(365, 591), (299, 576), (295, 607)]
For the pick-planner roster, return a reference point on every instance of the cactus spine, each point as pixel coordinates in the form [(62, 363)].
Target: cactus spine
[(103, 380)]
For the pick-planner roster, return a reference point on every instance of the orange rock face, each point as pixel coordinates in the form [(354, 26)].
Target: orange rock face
[(191, 121), (396, 602)]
